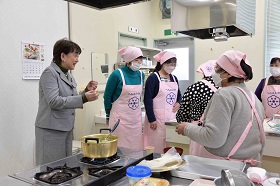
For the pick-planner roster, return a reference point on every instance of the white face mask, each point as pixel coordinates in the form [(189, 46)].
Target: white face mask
[(217, 79), (135, 66), (169, 69), (275, 71)]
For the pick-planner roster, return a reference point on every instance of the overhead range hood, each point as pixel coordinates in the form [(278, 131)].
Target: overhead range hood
[(104, 4), (213, 19)]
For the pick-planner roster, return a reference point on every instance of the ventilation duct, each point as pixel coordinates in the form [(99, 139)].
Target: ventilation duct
[(213, 19)]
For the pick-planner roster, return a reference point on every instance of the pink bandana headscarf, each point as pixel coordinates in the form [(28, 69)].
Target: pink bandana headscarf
[(230, 62), (207, 68), (130, 53), (164, 56)]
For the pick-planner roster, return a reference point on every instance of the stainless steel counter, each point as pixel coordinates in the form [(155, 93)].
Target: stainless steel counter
[(127, 158), (9, 181), (164, 175), (173, 180)]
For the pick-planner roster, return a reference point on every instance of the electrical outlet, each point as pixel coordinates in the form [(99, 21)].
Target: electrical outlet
[(133, 29)]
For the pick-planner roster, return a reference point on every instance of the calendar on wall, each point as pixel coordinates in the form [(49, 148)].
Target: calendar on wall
[(33, 59)]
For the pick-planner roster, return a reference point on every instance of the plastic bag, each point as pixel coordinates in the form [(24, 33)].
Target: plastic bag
[(170, 156)]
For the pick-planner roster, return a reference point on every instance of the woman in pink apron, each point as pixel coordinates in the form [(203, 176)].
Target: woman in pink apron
[(268, 91), (162, 97), (122, 99), (232, 127), (195, 99)]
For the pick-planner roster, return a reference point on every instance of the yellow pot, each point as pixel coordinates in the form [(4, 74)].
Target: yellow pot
[(96, 146)]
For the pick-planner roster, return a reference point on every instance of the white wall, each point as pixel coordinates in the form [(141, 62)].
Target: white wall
[(32, 20)]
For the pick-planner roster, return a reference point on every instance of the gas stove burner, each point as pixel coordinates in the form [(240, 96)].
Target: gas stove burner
[(58, 174), (102, 171), (100, 161)]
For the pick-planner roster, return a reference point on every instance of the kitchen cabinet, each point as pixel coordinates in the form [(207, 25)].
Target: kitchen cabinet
[(272, 141), (271, 144)]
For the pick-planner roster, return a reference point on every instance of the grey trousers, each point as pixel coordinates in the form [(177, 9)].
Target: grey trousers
[(52, 145)]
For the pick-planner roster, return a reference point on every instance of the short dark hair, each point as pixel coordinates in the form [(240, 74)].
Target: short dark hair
[(274, 60), (64, 46)]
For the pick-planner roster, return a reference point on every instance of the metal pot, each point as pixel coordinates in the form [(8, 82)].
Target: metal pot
[(234, 178), (96, 146)]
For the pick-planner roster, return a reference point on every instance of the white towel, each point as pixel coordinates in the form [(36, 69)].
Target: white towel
[(170, 156)]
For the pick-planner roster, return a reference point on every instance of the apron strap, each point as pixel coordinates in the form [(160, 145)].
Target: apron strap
[(212, 87), (141, 81), (157, 76), (171, 75), (256, 113), (174, 78), (247, 129), (266, 81), (122, 76)]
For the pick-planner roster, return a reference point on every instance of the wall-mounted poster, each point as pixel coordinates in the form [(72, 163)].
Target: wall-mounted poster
[(33, 59)]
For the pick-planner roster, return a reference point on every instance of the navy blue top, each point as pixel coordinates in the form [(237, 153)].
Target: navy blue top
[(271, 81), (259, 89), (151, 91)]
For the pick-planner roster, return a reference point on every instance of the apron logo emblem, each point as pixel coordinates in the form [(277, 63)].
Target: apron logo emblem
[(170, 98), (273, 101), (133, 103), (209, 69)]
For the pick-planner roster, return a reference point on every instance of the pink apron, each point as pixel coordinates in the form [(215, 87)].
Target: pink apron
[(162, 106), (271, 99), (195, 148), (207, 154), (127, 108)]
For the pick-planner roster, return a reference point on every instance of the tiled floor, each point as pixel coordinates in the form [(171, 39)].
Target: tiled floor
[(270, 164)]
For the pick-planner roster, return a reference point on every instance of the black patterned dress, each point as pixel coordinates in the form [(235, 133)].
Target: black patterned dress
[(194, 101)]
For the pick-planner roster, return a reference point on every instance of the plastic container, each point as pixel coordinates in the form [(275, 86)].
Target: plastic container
[(136, 173), (152, 182)]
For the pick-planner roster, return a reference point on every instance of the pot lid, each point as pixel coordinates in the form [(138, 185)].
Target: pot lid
[(138, 171)]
